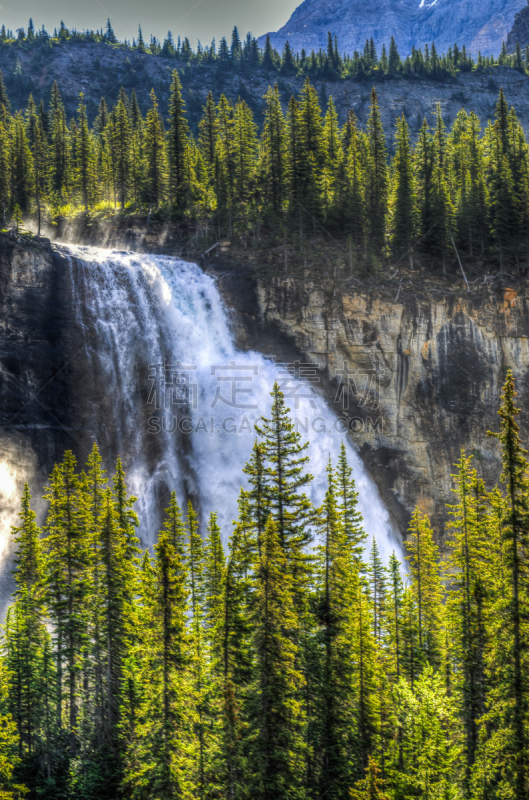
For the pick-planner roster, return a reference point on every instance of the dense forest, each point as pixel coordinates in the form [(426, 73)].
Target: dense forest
[(452, 194), (293, 664)]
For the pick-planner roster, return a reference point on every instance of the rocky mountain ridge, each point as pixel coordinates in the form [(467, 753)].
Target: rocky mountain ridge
[(519, 33), (479, 26)]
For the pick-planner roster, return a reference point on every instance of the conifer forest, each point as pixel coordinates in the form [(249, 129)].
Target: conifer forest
[(290, 175), (291, 664)]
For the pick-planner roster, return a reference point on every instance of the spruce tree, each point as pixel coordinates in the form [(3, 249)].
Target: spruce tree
[(348, 497), (422, 557), (288, 506), (276, 758), (207, 132), (177, 143), (377, 174), (337, 581), (195, 565), (172, 734), (404, 201), (235, 670), (85, 158), (465, 570), (25, 641), (121, 150), (155, 158), (67, 588), (274, 152), (257, 506), (244, 153), (509, 662), (355, 181), (377, 580)]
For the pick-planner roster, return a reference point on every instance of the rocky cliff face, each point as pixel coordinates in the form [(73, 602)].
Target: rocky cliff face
[(480, 26), (519, 34), (36, 390), (417, 375)]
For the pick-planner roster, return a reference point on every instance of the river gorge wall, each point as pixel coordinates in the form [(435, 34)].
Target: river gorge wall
[(421, 375), (415, 375)]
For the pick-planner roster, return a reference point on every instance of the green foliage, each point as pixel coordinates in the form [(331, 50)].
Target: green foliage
[(448, 195), (283, 667)]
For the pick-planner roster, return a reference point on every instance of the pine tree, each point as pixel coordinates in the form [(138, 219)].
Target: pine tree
[(116, 624), (509, 711), (352, 519), (355, 182), (337, 581), (93, 487), (394, 614), (296, 164), (26, 638), (208, 132), (244, 152), (366, 684), (155, 162), (394, 61), (285, 459), (21, 168), (311, 125), (256, 497), (268, 60), (274, 152), (85, 158), (9, 746), (288, 63), (235, 675), (177, 143), (430, 746), (121, 149), (377, 580), (224, 170), (277, 757), (214, 568), (60, 145), (67, 588), (465, 569), (404, 201), (377, 174), (40, 163), (172, 733), (195, 561), (423, 560)]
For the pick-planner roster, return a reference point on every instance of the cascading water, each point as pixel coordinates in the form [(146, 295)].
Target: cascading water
[(169, 388)]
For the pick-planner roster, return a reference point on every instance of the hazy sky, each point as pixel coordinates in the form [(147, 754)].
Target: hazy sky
[(197, 19)]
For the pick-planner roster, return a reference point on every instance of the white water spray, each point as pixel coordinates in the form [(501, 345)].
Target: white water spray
[(181, 395)]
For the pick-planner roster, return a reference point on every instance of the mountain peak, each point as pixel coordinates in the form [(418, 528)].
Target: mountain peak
[(479, 25)]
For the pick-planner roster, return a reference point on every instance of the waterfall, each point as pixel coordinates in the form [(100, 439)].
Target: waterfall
[(171, 392)]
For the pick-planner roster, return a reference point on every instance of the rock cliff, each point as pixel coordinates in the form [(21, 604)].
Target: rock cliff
[(36, 390), (417, 374), (480, 26), (519, 33)]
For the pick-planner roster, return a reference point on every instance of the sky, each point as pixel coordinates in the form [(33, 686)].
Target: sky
[(196, 19)]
